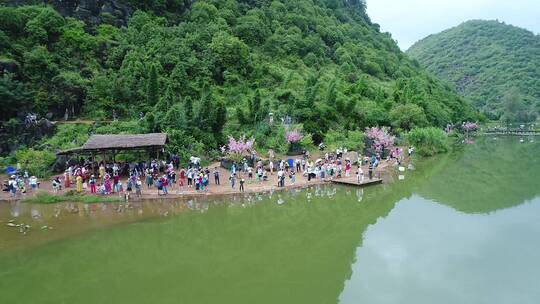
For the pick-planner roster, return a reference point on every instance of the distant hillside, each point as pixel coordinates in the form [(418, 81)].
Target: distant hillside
[(485, 60), (201, 70)]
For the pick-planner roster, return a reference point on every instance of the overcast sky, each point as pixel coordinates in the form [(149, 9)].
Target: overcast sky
[(412, 20)]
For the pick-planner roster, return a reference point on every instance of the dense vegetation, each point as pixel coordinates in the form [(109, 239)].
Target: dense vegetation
[(489, 62), (428, 141), (217, 68)]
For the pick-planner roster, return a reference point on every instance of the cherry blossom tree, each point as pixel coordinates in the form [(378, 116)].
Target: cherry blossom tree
[(239, 147), (470, 126), (293, 136), (379, 138)]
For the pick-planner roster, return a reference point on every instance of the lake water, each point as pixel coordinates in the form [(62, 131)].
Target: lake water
[(461, 228)]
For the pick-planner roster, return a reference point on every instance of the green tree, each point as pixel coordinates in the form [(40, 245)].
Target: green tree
[(408, 116), (15, 97), (152, 87), (175, 118)]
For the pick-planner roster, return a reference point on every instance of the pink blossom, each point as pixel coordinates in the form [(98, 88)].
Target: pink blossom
[(239, 146), (380, 138), (293, 136), (470, 126)]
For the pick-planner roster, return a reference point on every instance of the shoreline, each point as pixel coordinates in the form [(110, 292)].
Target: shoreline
[(251, 187)]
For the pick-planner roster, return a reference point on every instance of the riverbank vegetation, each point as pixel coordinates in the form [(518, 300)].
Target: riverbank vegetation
[(215, 69), (428, 141), (44, 197)]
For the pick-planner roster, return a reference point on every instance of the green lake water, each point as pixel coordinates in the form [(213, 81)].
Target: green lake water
[(461, 228)]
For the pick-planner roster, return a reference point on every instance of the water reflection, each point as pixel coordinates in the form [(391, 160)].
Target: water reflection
[(318, 245), (484, 177), (445, 256)]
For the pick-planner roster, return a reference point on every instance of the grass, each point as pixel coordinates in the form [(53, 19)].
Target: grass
[(43, 197)]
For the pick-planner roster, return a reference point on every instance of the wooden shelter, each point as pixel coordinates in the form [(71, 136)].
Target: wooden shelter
[(98, 143), (114, 143)]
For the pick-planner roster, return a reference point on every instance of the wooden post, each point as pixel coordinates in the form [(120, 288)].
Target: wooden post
[(93, 157)]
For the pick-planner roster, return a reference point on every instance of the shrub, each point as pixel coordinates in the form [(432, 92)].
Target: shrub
[(352, 140), (68, 136), (37, 162), (428, 141), (307, 142), (276, 141)]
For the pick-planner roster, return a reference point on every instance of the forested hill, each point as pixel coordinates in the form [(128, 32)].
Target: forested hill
[(209, 68), (486, 60)]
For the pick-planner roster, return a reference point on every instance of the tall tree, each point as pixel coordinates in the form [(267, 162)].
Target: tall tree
[(219, 120), (152, 89)]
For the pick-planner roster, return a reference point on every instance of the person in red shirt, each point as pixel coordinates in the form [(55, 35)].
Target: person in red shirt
[(182, 179)]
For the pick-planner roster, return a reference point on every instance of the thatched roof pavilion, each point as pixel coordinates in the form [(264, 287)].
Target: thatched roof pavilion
[(125, 142), (120, 142)]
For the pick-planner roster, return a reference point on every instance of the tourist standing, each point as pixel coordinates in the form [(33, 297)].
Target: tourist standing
[(370, 170), (12, 186), (33, 183), (190, 177), (242, 181), (182, 179), (79, 183), (232, 179), (107, 183), (360, 175), (271, 165), (165, 184), (92, 184), (67, 182), (347, 168), (138, 186), (56, 184), (116, 180), (149, 179), (292, 176), (253, 157), (102, 173), (216, 176)]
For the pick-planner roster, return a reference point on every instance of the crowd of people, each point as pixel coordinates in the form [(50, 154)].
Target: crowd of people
[(108, 177), (21, 183), (166, 176)]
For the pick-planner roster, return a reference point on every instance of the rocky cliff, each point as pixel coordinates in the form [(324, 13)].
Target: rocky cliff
[(91, 11)]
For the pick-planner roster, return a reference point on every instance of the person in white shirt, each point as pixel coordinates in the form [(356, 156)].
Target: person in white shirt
[(33, 183), (360, 175)]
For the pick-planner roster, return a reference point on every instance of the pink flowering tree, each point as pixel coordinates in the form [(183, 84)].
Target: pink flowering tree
[(293, 136), (468, 128), (379, 139), (238, 148)]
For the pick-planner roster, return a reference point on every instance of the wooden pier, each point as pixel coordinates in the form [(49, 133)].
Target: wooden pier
[(353, 182), (512, 132)]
